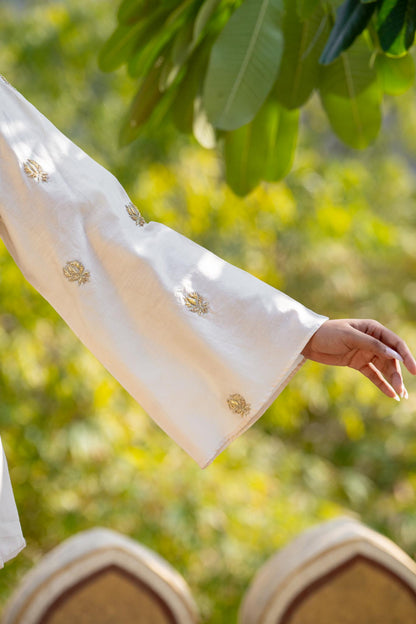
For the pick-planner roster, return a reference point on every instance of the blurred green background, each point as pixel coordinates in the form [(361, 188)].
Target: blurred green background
[(338, 234)]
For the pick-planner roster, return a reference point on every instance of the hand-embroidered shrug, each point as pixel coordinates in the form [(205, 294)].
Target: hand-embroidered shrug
[(203, 346)]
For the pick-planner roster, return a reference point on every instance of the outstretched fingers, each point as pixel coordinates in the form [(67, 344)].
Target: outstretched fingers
[(392, 340), (389, 344), (381, 365), (391, 371), (374, 375), (367, 342), (367, 346)]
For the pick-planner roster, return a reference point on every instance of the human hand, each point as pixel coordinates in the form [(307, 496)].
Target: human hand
[(367, 346)]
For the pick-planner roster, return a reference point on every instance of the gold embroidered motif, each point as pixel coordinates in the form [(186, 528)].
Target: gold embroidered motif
[(196, 303), (238, 404), (75, 271), (134, 214), (35, 171)]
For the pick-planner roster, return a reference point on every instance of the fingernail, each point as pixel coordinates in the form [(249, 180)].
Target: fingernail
[(391, 353), (403, 394), (396, 398)]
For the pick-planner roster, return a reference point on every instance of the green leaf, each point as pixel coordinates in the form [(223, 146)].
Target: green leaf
[(244, 63), (351, 96), (183, 44), (119, 47), (306, 8), (281, 145), (181, 48), (203, 16), (261, 150), (154, 37), (391, 26), (143, 106), (299, 69), (410, 26), (181, 12), (244, 162), (141, 44), (352, 17), (183, 104), (397, 74), (333, 4), (158, 32), (145, 57), (132, 10), (367, 1)]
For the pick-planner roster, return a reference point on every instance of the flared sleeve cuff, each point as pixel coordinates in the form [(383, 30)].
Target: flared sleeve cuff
[(265, 400)]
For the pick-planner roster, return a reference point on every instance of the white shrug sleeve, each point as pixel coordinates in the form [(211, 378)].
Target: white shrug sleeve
[(11, 538), (203, 346)]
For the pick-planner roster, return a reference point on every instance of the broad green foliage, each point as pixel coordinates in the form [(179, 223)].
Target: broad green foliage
[(208, 69), (244, 63), (351, 96), (336, 234), (396, 74), (304, 40), (396, 24), (262, 149), (144, 105), (352, 17), (393, 26), (306, 8)]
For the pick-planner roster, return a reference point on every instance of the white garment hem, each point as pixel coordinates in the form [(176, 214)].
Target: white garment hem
[(12, 554), (292, 368)]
